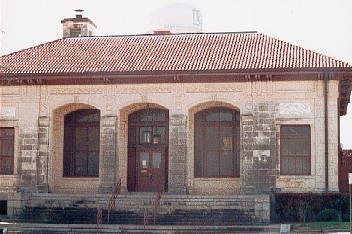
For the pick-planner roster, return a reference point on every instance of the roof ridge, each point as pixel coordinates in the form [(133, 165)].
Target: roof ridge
[(171, 34)]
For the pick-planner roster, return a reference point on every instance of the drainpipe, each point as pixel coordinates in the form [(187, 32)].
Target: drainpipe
[(326, 79)]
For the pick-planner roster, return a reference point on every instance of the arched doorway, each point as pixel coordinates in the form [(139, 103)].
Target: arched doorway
[(148, 131)]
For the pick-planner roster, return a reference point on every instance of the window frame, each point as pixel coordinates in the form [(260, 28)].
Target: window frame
[(157, 127), (294, 157), (72, 125), (11, 137), (203, 122)]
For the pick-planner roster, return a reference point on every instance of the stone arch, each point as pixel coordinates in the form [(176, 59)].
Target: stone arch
[(123, 137), (61, 184)]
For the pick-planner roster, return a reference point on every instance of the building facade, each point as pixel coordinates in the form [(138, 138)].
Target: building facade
[(227, 114)]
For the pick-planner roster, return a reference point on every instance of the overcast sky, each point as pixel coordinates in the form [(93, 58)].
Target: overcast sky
[(323, 26)]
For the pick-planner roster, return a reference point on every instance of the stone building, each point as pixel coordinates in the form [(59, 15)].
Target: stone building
[(195, 116)]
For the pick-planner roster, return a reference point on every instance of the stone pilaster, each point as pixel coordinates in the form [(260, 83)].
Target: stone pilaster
[(28, 161), (177, 154), (259, 158), (43, 154), (108, 158)]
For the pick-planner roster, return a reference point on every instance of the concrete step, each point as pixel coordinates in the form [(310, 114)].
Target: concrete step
[(177, 217), (130, 208)]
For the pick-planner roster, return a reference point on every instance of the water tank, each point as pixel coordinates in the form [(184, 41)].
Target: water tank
[(177, 18)]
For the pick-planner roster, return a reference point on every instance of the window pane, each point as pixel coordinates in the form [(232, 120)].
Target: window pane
[(67, 163), (306, 165), (81, 164), (81, 138), (144, 160), (212, 164), (213, 116), (295, 150), (7, 151), (214, 143), (146, 134), (159, 116), (6, 166), (93, 164), (93, 138), (226, 143), (160, 132), (146, 115), (81, 142), (212, 138), (156, 159), (68, 137), (226, 164), (226, 116)]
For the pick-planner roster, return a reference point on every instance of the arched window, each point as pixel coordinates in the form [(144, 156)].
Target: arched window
[(216, 142), (81, 143)]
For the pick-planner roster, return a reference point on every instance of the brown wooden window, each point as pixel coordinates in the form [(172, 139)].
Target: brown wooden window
[(295, 141), (148, 126), (7, 140), (81, 143), (216, 143)]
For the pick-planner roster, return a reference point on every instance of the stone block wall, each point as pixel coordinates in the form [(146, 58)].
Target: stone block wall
[(259, 154), (263, 107), (178, 154)]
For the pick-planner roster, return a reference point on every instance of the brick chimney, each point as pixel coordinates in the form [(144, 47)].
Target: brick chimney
[(79, 26)]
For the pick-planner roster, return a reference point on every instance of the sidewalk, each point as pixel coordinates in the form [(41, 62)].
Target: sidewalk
[(114, 228)]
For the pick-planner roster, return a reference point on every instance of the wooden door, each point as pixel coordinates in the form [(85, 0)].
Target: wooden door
[(150, 169)]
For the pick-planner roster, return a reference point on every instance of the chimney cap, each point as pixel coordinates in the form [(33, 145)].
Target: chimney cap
[(161, 31), (79, 13)]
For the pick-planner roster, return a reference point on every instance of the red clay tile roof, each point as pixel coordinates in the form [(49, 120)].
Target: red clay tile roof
[(177, 52)]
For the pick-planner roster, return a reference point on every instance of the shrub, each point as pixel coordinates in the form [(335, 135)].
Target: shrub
[(304, 207), (328, 215)]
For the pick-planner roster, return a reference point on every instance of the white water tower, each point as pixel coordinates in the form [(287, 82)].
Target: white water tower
[(177, 18)]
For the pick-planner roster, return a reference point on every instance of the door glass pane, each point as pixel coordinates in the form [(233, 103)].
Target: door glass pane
[(146, 115), (160, 134), (144, 159), (159, 116), (146, 134), (156, 159)]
